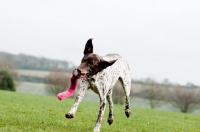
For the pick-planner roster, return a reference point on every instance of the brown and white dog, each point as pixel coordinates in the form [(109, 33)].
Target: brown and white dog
[(100, 73)]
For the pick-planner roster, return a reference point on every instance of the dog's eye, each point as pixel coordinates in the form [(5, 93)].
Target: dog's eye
[(89, 62)]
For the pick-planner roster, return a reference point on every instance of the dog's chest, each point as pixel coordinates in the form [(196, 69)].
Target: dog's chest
[(92, 86), (103, 81)]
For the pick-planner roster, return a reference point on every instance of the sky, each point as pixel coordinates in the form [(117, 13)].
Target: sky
[(159, 38)]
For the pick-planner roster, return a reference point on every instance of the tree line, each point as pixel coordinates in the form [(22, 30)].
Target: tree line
[(28, 62), (184, 98)]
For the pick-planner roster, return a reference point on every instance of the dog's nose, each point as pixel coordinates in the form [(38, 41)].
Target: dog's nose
[(77, 72)]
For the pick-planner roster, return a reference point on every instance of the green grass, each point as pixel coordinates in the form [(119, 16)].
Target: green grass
[(31, 88), (25, 112)]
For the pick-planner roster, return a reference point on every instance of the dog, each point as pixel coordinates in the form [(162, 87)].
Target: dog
[(100, 73)]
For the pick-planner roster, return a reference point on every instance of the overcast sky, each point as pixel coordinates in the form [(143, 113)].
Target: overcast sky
[(159, 38)]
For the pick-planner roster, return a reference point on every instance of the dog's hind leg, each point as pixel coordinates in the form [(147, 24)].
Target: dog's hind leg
[(126, 83), (110, 102)]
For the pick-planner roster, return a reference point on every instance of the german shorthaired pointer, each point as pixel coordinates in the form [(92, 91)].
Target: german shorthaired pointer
[(100, 73)]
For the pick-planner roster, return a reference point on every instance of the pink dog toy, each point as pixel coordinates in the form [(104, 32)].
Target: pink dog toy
[(71, 90)]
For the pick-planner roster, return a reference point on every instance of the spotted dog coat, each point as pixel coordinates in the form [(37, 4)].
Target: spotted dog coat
[(102, 81)]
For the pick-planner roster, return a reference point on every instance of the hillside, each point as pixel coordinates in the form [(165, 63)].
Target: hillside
[(25, 112), (29, 62)]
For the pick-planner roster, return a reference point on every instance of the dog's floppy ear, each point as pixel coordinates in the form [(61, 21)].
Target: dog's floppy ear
[(104, 64), (88, 47)]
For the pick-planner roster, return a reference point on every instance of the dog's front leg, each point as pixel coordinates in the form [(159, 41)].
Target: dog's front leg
[(101, 113), (79, 97)]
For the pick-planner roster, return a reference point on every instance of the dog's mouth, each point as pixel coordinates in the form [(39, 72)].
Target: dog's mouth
[(78, 74), (82, 75)]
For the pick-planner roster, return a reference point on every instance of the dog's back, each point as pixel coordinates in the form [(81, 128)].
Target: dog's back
[(110, 57), (118, 71), (119, 67)]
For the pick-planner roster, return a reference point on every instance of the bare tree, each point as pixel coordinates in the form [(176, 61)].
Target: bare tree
[(57, 81), (152, 92), (6, 65), (186, 100), (118, 93)]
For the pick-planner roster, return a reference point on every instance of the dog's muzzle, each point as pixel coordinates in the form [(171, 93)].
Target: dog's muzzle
[(79, 74)]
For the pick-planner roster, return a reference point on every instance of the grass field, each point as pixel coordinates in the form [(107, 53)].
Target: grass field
[(31, 88), (25, 112)]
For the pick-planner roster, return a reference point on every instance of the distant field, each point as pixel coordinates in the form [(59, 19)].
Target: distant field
[(24, 112), (34, 73), (31, 88)]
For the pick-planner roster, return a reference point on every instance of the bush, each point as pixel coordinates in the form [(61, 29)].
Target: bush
[(56, 81), (6, 65), (6, 81)]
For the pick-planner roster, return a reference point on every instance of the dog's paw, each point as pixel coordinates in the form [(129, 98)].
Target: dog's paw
[(69, 116), (110, 120), (128, 112)]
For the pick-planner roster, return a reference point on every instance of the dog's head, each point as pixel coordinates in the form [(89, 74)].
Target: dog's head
[(91, 63)]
